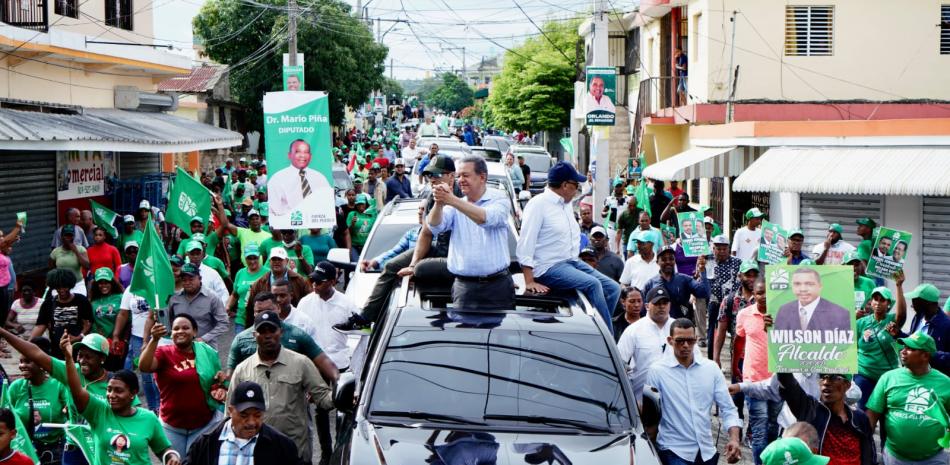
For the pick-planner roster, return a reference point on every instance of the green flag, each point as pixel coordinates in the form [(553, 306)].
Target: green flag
[(152, 279), (104, 218), (643, 197), (444, 124), (79, 433), (568, 146), (21, 442), (186, 200)]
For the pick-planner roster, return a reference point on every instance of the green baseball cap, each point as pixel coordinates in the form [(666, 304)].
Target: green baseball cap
[(807, 261), (104, 274), (69, 229), (192, 246), (362, 198), (754, 213), (190, 269), (884, 292), (867, 222), (198, 219), (440, 165), (252, 250), (618, 182), (925, 291), (919, 341), (94, 342), (748, 265), (199, 237), (791, 451), (796, 232), (850, 257), (836, 228)]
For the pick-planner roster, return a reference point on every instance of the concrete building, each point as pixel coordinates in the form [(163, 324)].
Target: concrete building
[(806, 114)]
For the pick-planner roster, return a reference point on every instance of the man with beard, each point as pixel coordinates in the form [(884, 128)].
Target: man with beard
[(832, 250)]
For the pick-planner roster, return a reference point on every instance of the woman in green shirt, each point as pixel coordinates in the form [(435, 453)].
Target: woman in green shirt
[(243, 280), (106, 299), (72, 257), (36, 398), (876, 352), (123, 433), (319, 243), (360, 222)]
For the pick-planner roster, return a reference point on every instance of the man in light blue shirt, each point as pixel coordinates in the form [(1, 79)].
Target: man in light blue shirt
[(548, 246), (689, 386), (478, 246)]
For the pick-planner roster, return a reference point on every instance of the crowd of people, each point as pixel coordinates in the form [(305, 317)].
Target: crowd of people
[(151, 379)]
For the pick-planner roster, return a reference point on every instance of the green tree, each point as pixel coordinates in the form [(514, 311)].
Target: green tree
[(453, 94), (535, 89), (340, 54), (393, 91)]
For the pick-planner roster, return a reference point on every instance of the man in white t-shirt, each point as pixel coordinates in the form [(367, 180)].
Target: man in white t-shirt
[(745, 242), (642, 266), (833, 249), (411, 154)]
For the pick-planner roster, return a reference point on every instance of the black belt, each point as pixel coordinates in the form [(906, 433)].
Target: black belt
[(483, 279)]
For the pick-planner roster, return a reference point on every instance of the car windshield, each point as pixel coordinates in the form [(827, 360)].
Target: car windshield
[(385, 237), (538, 162), (488, 154), (477, 373)]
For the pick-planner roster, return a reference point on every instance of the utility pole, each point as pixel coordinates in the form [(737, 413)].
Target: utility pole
[(292, 31), (390, 68), (600, 146), (730, 106)]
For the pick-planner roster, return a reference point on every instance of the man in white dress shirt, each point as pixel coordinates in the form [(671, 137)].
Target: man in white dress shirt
[(289, 188)]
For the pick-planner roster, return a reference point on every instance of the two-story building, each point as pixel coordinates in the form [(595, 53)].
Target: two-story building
[(79, 111), (815, 111)]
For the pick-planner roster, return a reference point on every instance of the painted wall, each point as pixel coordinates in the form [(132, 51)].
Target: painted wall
[(903, 63), (92, 22), (60, 84)]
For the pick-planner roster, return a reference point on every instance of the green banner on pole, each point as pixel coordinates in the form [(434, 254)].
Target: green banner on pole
[(104, 218)]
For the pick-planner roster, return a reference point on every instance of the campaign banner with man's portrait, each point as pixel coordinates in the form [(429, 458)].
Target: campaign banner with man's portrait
[(299, 158), (813, 329), (693, 234), (772, 244), (888, 253), (293, 75), (601, 95)]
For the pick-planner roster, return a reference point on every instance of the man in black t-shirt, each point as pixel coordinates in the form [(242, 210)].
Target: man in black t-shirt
[(526, 171)]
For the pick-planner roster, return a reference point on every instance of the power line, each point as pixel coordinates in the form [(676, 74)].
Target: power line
[(569, 60)]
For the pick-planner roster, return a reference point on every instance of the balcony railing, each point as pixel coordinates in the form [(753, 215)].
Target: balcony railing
[(27, 14)]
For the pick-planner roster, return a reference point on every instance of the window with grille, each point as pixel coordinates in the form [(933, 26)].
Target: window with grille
[(945, 29), (66, 8), (119, 14), (809, 30)]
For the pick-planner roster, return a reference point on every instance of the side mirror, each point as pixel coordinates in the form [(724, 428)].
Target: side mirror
[(339, 256), (345, 390), (650, 408)]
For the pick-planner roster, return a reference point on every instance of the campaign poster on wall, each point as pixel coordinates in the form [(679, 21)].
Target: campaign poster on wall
[(293, 76), (298, 144), (813, 328), (888, 253)]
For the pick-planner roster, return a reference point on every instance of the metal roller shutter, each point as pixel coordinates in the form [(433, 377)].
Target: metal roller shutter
[(28, 183), (133, 165), (817, 211), (935, 246)]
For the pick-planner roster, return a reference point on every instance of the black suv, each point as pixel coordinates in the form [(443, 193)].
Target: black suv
[(541, 383)]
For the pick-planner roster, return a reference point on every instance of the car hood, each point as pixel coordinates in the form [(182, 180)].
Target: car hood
[(408, 445)]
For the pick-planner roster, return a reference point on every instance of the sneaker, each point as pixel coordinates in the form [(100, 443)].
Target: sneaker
[(356, 324)]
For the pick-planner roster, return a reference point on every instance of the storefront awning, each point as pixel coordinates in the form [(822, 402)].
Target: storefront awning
[(850, 170), (106, 129), (697, 162)]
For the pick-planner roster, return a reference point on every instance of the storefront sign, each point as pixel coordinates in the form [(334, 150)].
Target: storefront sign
[(82, 174)]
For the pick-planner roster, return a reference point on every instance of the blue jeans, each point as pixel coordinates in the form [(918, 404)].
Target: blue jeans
[(600, 290), (182, 439), (669, 458), (74, 457), (763, 424), (238, 328), (148, 381), (867, 386)]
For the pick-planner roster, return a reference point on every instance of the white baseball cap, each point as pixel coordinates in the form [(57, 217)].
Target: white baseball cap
[(128, 219), (278, 252), (144, 204), (598, 229), (399, 161)]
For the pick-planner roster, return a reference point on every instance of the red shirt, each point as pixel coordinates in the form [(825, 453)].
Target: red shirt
[(104, 256), (17, 458), (383, 162), (183, 402), (841, 443)]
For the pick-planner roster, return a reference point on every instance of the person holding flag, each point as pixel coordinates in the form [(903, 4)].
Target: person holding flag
[(190, 381), (9, 430), (36, 398), (123, 433)]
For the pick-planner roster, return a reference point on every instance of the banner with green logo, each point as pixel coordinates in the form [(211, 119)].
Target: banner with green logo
[(693, 234), (299, 158), (153, 278), (889, 253), (293, 75), (187, 199), (813, 319), (601, 95), (772, 244), (104, 218)]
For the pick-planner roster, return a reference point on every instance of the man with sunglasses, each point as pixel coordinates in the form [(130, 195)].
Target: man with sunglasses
[(689, 386), (550, 241)]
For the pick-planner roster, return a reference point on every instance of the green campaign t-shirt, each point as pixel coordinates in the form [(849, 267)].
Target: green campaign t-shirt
[(104, 311), (217, 265), (876, 353), (96, 389), (628, 222), (49, 402), (267, 244), (246, 236), (364, 224), (244, 345), (862, 291), (68, 260), (909, 406), (140, 432), (212, 240), (243, 281)]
